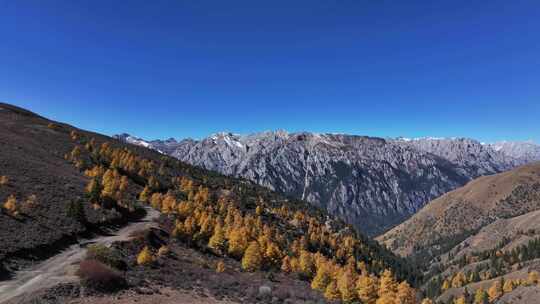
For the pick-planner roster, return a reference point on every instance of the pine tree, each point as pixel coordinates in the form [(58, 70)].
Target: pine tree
[(366, 288), (76, 210), (252, 260), (332, 293)]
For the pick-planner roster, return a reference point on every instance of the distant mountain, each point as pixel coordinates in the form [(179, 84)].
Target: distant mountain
[(526, 151), (372, 183)]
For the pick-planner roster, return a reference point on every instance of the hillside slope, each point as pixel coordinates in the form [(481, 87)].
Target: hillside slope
[(468, 209), (371, 183), (42, 185), (255, 235), (478, 238)]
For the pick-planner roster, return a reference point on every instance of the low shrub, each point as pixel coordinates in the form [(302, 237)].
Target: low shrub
[(99, 276), (105, 255)]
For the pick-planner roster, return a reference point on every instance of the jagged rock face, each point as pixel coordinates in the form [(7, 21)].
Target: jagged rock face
[(526, 151), (478, 159), (372, 183)]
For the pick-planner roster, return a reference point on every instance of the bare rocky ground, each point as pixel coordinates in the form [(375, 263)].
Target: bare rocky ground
[(522, 295)]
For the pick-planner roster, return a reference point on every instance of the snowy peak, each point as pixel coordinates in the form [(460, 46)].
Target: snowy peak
[(132, 140)]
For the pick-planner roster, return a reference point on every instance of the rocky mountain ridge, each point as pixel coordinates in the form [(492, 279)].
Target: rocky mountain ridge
[(372, 183)]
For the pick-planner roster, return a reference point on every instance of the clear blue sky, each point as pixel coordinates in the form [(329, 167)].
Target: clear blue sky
[(190, 68)]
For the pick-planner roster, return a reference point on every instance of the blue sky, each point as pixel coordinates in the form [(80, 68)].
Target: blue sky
[(158, 69)]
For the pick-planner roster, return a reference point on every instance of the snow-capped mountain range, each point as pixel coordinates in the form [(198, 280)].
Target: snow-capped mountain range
[(373, 183)]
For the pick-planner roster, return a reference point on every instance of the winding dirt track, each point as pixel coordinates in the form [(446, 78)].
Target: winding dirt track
[(61, 267)]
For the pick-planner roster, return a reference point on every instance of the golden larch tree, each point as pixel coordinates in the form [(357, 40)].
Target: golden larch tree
[(252, 260), (495, 291), (347, 285), (322, 278), (405, 294), (366, 288), (145, 257), (332, 293), (11, 204), (217, 241), (387, 288)]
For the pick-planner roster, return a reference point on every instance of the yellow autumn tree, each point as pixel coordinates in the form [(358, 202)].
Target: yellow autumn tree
[(3, 180), (145, 194), (237, 242), (495, 291), (145, 257), (480, 297), (163, 251), (405, 294), (217, 241), (445, 285), (11, 204), (460, 300), (258, 210), (252, 260), (332, 293), (286, 264), (347, 285), (322, 278), (220, 267), (387, 288), (427, 301), (532, 278), (508, 286), (366, 288), (459, 280), (273, 254), (307, 265)]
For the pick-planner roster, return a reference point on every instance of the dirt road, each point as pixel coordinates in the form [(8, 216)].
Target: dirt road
[(61, 268)]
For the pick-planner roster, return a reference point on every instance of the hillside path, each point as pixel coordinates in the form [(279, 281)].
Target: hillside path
[(61, 268)]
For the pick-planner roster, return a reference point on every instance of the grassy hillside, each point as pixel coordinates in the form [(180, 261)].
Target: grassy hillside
[(477, 238), (450, 218), (83, 181)]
